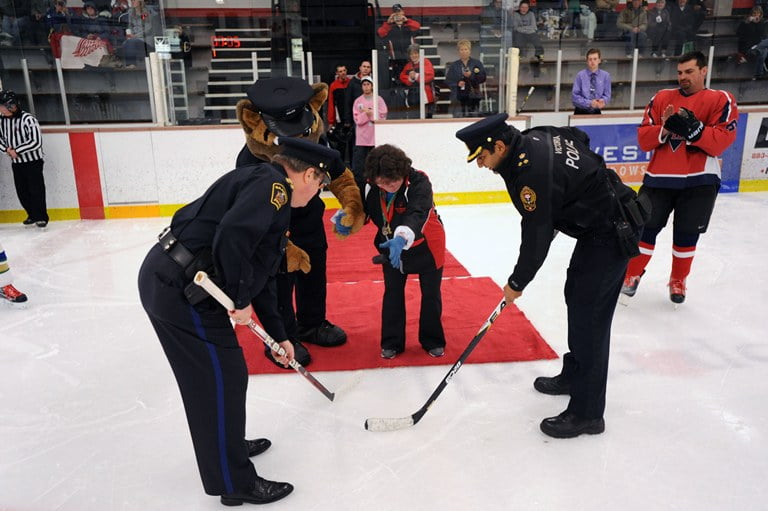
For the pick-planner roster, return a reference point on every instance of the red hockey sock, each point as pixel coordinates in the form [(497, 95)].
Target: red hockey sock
[(638, 264), (682, 257)]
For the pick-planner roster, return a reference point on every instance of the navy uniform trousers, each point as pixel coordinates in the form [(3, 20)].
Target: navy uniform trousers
[(594, 278), (210, 370), (393, 314)]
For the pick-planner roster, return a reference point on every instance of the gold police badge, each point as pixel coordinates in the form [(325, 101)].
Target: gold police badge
[(279, 196), (528, 198)]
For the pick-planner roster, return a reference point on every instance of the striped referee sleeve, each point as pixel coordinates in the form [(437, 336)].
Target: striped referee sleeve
[(22, 133)]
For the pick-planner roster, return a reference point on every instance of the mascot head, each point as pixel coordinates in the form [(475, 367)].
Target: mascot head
[(280, 107)]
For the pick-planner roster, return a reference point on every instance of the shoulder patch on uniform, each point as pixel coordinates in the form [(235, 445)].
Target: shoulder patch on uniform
[(279, 197), (528, 198)]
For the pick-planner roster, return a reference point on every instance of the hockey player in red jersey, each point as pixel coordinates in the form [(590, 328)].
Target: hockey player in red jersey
[(687, 129)]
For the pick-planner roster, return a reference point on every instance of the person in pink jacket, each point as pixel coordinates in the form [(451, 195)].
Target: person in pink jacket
[(362, 113)]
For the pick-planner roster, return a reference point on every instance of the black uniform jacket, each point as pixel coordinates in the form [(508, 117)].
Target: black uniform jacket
[(557, 183), (242, 219), (414, 208), (306, 228)]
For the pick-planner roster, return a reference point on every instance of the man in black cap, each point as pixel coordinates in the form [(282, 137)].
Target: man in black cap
[(288, 107), (558, 184), (236, 231), (397, 33), (21, 140)]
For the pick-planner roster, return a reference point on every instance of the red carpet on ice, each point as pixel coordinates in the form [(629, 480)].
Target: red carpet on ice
[(355, 290)]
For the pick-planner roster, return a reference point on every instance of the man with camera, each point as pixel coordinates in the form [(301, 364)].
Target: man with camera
[(397, 32), (558, 184)]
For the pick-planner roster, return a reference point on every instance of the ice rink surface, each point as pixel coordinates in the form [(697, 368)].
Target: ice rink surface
[(91, 419)]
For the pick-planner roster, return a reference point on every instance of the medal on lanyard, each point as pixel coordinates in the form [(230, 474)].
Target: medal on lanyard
[(387, 211)]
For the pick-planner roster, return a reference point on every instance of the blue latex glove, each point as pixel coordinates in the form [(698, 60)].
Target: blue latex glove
[(395, 246), (341, 229)]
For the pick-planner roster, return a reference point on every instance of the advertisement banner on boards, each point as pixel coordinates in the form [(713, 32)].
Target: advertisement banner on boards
[(618, 146), (755, 161)]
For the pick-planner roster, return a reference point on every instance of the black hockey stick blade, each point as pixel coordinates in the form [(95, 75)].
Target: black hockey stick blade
[(202, 280), (394, 424)]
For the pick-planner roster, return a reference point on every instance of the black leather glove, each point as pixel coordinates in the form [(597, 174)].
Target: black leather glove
[(685, 124)]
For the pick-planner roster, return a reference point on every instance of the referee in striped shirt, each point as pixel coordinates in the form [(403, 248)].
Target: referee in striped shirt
[(21, 140)]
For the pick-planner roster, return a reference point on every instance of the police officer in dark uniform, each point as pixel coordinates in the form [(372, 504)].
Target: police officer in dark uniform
[(235, 231), (286, 114), (558, 184)]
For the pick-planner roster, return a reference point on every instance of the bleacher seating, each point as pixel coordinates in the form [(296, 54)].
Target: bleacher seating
[(220, 72)]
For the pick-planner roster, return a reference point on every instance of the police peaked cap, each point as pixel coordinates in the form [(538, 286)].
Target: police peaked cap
[(316, 155), (482, 133), (284, 105)]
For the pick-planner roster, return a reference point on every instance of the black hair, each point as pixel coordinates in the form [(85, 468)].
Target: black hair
[(388, 162), (701, 60)]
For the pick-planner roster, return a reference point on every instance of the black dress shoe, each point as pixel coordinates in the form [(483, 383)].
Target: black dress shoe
[(326, 334), (257, 446), (554, 386), (568, 425), (28, 221), (263, 492), (300, 354)]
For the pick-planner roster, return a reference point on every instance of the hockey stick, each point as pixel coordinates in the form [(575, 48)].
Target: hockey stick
[(394, 424), (202, 280), (525, 99)]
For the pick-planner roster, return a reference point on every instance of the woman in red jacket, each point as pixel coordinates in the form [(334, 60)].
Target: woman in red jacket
[(412, 76)]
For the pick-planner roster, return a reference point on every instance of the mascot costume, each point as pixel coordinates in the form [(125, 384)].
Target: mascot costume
[(290, 107)]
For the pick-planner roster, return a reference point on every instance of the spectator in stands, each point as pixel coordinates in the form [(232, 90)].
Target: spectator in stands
[(16, 19), (525, 31), (750, 32), (59, 18), (606, 15), (119, 7), (588, 23), (38, 31), (659, 28), (89, 25), (592, 86), (142, 26), (336, 96), (493, 24), (633, 22), (683, 20), (398, 32), (464, 77), (365, 139), (338, 133), (571, 11), (414, 79), (761, 66), (353, 91)]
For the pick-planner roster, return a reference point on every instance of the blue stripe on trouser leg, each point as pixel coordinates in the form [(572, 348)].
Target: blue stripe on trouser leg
[(220, 419)]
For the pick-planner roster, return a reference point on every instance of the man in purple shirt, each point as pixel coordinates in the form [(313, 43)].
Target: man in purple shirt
[(592, 86)]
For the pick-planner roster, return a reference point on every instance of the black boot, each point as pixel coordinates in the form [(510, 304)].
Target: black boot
[(568, 425), (326, 334), (257, 446), (263, 492), (554, 386), (300, 354)]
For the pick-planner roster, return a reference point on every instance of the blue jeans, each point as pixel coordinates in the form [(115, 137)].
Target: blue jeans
[(761, 51)]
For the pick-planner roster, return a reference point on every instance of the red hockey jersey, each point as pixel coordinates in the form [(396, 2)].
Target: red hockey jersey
[(676, 163)]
